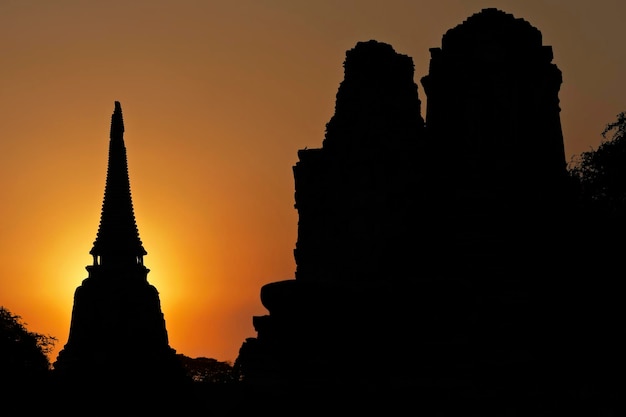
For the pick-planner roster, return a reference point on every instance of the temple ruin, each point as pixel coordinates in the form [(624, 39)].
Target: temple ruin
[(118, 352), (425, 251)]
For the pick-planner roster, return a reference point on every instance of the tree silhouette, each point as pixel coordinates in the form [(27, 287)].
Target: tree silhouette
[(24, 353), (208, 370), (597, 305), (24, 364), (601, 173)]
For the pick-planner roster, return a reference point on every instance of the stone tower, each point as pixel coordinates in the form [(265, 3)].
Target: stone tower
[(357, 204), (493, 100), (355, 211), (493, 119), (117, 331), (415, 277)]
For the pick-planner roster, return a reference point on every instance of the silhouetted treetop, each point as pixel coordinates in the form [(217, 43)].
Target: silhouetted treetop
[(601, 173), (23, 353)]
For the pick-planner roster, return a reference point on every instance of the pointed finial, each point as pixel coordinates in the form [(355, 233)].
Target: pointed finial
[(117, 121), (118, 237)]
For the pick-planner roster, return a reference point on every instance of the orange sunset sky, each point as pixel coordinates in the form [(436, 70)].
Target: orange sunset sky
[(217, 97)]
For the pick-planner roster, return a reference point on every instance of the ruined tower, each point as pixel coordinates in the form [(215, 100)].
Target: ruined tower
[(493, 119), (426, 260), (357, 197), (117, 332), (354, 195), (493, 101)]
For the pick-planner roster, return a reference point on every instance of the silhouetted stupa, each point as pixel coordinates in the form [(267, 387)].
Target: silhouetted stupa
[(117, 338)]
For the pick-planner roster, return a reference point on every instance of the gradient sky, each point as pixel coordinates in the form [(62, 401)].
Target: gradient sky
[(217, 96)]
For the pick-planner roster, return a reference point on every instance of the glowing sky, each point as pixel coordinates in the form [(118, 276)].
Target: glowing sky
[(218, 96)]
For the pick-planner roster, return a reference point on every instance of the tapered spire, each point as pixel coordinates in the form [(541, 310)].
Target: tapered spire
[(117, 241)]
